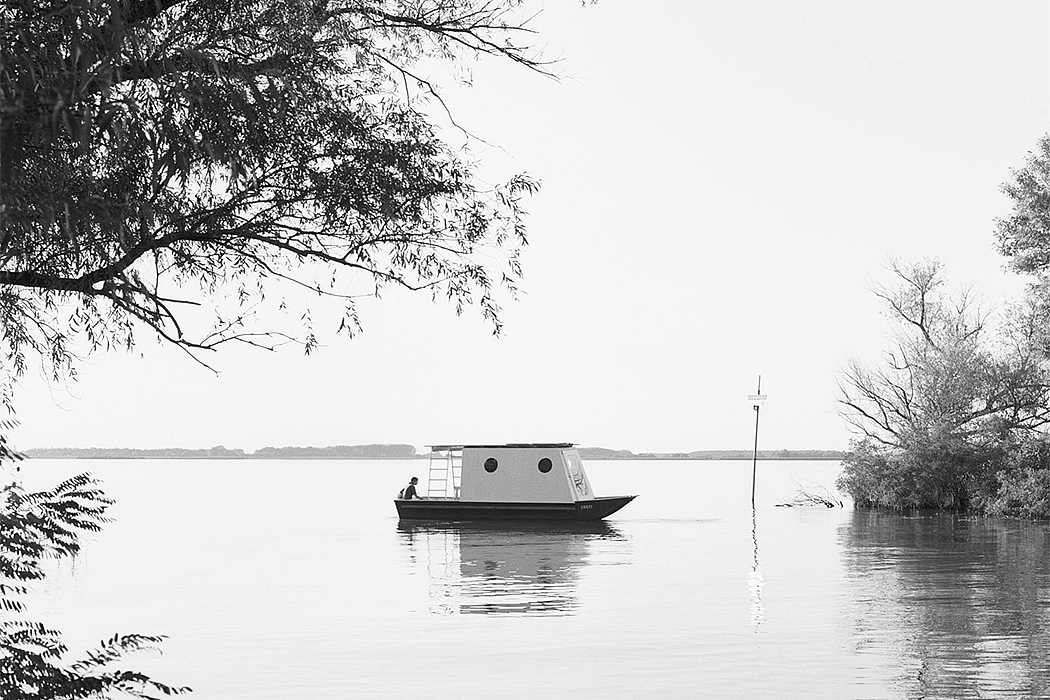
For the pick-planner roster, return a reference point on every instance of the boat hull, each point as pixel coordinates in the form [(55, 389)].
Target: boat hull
[(451, 510)]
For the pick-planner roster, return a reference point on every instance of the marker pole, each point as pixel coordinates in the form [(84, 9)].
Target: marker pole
[(756, 398)]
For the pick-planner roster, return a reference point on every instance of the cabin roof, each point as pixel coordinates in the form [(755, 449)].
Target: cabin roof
[(511, 445)]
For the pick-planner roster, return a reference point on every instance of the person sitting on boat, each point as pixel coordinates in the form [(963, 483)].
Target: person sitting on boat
[(409, 492)]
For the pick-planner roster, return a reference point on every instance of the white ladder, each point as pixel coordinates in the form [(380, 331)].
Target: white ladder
[(446, 472)]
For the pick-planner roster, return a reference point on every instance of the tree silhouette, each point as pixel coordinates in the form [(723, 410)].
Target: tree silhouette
[(175, 163)]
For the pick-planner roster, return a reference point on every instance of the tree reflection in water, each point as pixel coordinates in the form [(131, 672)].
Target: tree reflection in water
[(500, 568), (963, 602)]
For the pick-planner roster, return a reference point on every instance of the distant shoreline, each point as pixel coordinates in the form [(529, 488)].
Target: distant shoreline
[(402, 452)]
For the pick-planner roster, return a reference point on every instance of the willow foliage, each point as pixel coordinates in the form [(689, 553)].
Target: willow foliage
[(1024, 235), (163, 158)]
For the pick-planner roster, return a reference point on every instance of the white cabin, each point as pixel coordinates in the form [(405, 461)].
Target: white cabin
[(515, 473)]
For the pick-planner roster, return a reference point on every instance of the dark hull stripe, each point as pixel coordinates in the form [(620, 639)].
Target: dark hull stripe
[(595, 509)]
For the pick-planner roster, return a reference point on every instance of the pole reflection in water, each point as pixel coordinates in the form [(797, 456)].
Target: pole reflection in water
[(755, 581), (518, 569)]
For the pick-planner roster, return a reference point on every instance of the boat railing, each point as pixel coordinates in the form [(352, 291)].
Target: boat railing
[(446, 472)]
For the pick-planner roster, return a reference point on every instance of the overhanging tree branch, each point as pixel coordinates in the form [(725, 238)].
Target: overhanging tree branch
[(238, 139)]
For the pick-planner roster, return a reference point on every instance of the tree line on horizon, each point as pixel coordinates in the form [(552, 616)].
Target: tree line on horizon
[(395, 451), (373, 451)]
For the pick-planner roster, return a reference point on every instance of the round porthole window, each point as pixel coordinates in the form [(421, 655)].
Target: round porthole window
[(545, 465), (491, 464)]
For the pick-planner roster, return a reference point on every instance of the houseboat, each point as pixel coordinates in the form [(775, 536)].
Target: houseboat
[(533, 481)]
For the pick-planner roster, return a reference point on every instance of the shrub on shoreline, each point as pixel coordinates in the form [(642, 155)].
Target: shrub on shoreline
[(1023, 485), (1009, 481)]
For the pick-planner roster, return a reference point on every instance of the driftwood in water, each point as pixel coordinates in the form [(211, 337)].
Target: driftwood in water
[(805, 497)]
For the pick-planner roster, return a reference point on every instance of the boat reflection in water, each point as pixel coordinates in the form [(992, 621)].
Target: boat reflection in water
[(499, 568)]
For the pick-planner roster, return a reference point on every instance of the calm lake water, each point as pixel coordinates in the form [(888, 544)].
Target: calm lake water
[(294, 580)]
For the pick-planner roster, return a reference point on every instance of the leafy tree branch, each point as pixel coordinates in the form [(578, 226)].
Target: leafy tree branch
[(163, 156)]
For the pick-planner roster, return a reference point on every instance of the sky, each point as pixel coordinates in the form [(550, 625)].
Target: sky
[(723, 185)]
